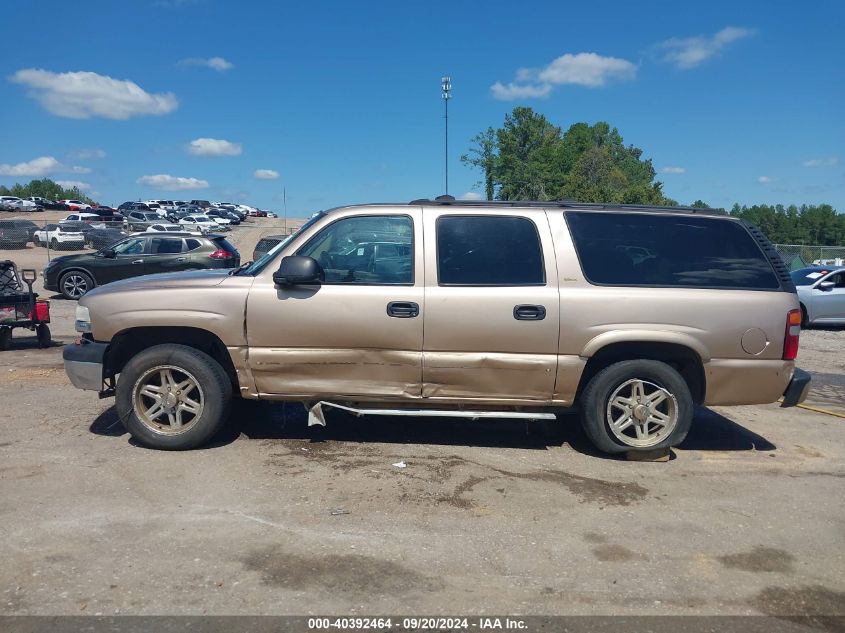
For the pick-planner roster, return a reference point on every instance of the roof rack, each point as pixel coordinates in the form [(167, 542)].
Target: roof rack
[(566, 203)]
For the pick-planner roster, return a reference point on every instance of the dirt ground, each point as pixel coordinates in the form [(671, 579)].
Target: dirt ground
[(492, 517)]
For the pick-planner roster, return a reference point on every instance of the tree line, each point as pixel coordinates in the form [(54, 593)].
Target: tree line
[(44, 188), (529, 158)]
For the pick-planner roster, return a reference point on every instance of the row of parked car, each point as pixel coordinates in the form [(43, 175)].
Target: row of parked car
[(37, 203)]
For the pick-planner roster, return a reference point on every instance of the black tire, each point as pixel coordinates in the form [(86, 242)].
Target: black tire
[(36, 241), (5, 338), (805, 319), (42, 331), (54, 244), (216, 391), (74, 281), (597, 394)]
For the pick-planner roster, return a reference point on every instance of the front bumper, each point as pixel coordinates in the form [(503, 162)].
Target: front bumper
[(84, 364), (796, 390)]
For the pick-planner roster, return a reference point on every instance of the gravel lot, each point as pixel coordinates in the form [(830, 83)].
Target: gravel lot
[(277, 518)]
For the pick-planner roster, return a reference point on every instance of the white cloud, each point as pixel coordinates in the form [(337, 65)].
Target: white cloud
[(172, 183), (822, 162), (83, 95), (582, 69), (673, 170), (215, 63), (266, 174), (213, 147), (689, 52), (764, 180), (40, 167), (87, 154), (513, 91), (471, 195), (70, 184)]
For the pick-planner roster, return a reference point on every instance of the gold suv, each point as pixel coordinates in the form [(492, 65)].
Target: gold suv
[(632, 314)]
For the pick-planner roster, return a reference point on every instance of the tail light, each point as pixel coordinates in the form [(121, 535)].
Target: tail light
[(790, 337), (221, 253)]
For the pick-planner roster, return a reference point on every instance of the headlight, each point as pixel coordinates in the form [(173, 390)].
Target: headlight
[(83, 319)]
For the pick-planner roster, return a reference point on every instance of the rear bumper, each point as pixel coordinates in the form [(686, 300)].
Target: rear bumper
[(84, 364), (796, 390)]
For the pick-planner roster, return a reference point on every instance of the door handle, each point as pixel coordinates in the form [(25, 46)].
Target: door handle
[(403, 309), (138, 261), (181, 259), (529, 313)]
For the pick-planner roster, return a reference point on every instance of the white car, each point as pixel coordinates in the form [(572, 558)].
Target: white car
[(166, 205), (76, 205), (57, 236), (821, 292), (13, 203), (164, 228), (155, 207), (89, 218), (197, 222)]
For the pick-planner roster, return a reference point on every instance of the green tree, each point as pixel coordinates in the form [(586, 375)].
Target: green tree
[(44, 188), (483, 154)]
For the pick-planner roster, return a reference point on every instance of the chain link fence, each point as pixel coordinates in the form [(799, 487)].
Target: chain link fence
[(798, 255)]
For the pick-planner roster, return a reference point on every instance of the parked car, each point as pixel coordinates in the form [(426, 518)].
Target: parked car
[(821, 291), (202, 204), (163, 205), (102, 238), (219, 217), (76, 205), (528, 309), (87, 218), (141, 220), (136, 255), (155, 207), (164, 228), (201, 223), (266, 244), (15, 232), (13, 203), (46, 203), (57, 236), (126, 207)]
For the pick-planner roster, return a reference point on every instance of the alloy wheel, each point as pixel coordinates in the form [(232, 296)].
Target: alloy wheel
[(641, 413), (168, 400)]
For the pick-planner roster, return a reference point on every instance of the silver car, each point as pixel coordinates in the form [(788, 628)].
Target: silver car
[(821, 291)]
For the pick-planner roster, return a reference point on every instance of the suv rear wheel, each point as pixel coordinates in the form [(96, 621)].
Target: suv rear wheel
[(173, 397), (636, 405)]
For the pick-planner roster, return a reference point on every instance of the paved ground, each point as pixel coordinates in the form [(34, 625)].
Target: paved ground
[(277, 518)]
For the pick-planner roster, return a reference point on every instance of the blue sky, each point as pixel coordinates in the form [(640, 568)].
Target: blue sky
[(733, 101)]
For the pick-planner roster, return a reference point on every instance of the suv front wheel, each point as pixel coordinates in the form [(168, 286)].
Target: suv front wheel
[(173, 397), (636, 405)]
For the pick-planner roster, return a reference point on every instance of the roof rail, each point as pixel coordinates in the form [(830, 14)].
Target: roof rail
[(566, 203)]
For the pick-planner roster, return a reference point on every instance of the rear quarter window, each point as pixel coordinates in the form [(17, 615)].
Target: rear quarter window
[(652, 250)]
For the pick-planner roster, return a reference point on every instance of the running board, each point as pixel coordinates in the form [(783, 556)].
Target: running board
[(318, 418)]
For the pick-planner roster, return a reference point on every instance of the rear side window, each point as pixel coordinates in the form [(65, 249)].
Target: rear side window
[(488, 251), (192, 244), (165, 245), (222, 242), (619, 249)]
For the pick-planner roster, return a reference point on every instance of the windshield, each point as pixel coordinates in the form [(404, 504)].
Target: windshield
[(259, 264), (807, 276)]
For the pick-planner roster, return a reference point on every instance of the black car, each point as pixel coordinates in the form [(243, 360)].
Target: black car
[(126, 207), (103, 238), (266, 244), (136, 255), (16, 233)]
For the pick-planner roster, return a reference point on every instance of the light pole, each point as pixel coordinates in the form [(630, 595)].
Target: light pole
[(446, 86)]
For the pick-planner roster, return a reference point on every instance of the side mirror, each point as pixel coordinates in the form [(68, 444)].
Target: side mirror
[(827, 286), (109, 253), (296, 269)]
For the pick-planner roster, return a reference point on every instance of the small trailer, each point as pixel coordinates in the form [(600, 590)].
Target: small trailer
[(21, 307)]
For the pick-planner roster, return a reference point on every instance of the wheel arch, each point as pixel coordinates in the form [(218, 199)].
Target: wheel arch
[(127, 343), (686, 360)]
